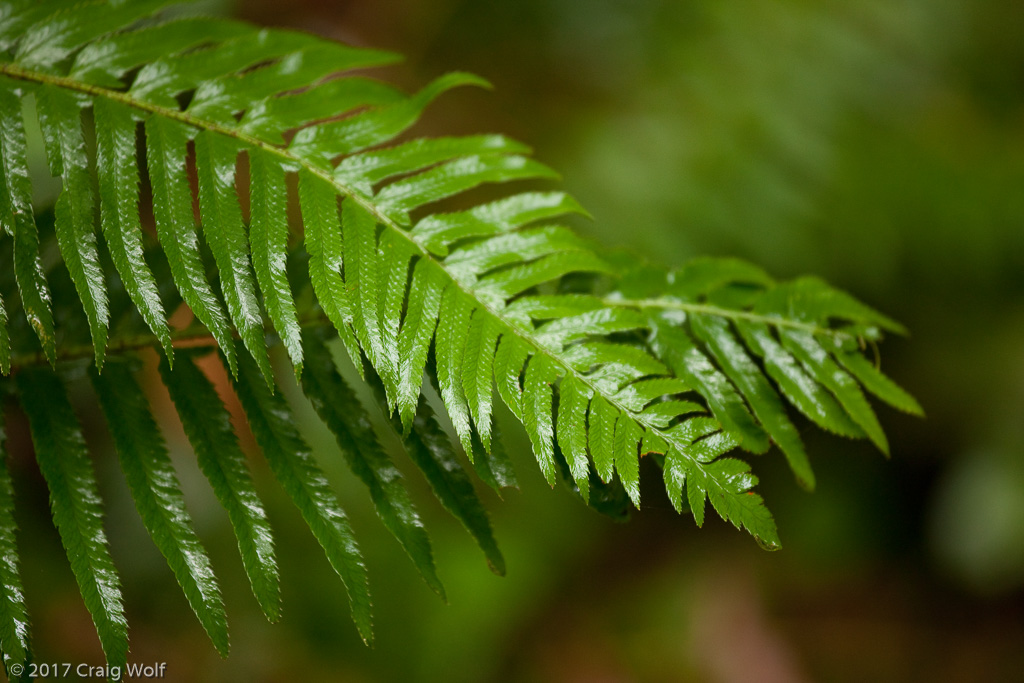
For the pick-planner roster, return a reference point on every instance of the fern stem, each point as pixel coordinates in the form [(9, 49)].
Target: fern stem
[(189, 337), (727, 313)]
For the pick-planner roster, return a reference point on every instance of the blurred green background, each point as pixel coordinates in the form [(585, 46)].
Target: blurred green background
[(877, 143)]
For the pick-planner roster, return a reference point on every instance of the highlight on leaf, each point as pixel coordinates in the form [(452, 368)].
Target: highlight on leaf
[(294, 205)]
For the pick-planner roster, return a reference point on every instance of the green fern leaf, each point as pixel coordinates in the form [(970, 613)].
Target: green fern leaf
[(702, 276), (16, 16), (321, 143), (800, 388), (362, 265), (663, 413), (610, 366), (416, 332), (13, 614), (538, 397), (432, 452), (60, 117), (477, 375), (437, 232), (505, 284), (789, 327), (509, 360), (574, 399), (696, 490), (688, 362), (47, 42), (819, 364), (17, 220), (812, 300), (728, 488), (479, 280), (159, 82), (208, 427), (450, 349), (523, 245), (493, 465), (218, 201), (119, 212), (217, 99), (759, 393), (158, 498), (570, 328), (75, 502), (395, 255), (626, 444), (341, 411), (324, 244), (452, 178), (877, 383), (268, 237), (638, 395), (106, 61), (369, 168), (270, 118), (601, 422), (302, 479), (166, 149)]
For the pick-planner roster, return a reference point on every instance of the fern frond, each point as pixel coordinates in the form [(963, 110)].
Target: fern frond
[(602, 366)]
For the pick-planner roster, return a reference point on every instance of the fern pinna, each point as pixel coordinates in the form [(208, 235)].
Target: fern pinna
[(191, 146)]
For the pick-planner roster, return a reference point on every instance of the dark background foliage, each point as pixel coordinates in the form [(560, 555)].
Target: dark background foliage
[(877, 143)]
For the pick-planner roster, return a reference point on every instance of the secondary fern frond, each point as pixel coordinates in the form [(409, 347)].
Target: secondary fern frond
[(602, 366)]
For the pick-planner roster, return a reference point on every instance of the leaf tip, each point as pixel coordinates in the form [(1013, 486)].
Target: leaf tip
[(222, 645), (365, 628), (496, 563)]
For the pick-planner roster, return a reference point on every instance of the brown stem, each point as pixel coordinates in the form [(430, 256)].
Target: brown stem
[(187, 338)]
